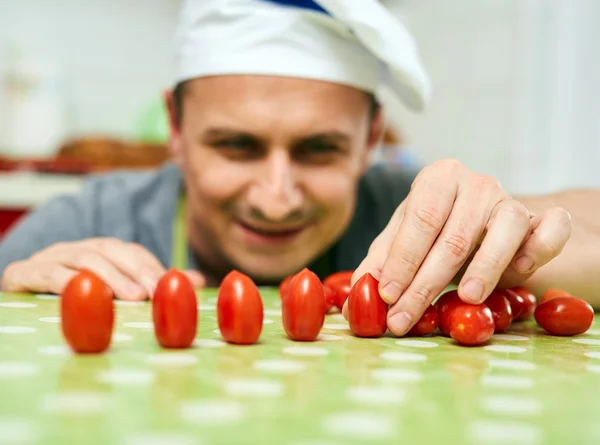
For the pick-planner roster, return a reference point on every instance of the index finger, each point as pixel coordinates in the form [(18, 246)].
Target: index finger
[(427, 209)]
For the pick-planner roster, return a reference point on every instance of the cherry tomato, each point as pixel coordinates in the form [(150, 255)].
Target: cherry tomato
[(367, 312), (565, 316), (284, 285), (444, 306), (553, 293), (530, 303), (471, 324), (303, 307), (240, 310), (517, 302), (175, 310), (339, 282), (330, 298), (426, 324), (87, 313), (501, 310)]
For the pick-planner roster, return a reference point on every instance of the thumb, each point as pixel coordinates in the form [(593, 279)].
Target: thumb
[(197, 279)]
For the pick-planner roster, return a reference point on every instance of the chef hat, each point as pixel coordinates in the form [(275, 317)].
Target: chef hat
[(352, 42)]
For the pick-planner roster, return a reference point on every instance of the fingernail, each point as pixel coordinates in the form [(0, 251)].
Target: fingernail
[(524, 264), (134, 291), (390, 293), (473, 290), (400, 323)]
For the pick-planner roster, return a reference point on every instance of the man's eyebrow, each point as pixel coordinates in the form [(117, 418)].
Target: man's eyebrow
[(219, 132), (334, 136)]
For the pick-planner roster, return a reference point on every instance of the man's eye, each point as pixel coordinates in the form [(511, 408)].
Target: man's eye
[(318, 147)]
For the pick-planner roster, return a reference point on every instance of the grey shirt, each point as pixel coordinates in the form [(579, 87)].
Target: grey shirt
[(140, 207)]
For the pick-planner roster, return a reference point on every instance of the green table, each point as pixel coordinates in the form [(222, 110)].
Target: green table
[(522, 388)]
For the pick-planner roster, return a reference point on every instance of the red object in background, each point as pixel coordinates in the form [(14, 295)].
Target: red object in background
[(8, 217)]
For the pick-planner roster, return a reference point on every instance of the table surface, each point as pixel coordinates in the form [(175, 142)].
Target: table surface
[(521, 388)]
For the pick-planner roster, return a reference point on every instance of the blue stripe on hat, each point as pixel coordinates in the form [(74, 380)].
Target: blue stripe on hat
[(303, 4)]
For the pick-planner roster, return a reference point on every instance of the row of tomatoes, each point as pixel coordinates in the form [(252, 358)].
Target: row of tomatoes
[(87, 310)]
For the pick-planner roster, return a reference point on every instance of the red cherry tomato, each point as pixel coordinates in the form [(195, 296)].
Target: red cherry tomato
[(330, 298), (175, 310), (303, 307), (87, 313), (517, 302), (240, 310), (553, 293), (444, 306), (565, 316), (284, 285), (426, 324), (471, 324), (339, 282), (367, 312), (530, 303), (501, 311)]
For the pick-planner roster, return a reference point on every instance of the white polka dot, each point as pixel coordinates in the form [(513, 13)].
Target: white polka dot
[(207, 307), (17, 431), (273, 312), (75, 403), (516, 365), (305, 351), (336, 326), (367, 425), (161, 438), (57, 350), (267, 321), (376, 395), (417, 343), (496, 432), (279, 366), (277, 303), (47, 297), (254, 388), (50, 319), (172, 359), (593, 368), (587, 341), (210, 412), (17, 369), (216, 331), (121, 337), (338, 316), (397, 356), (507, 381), (139, 324), (209, 343), (17, 305), (130, 303), (329, 337), (504, 348), (593, 332), (509, 337), (212, 300), (511, 405), (593, 354), (127, 377), (16, 330), (393, 375)]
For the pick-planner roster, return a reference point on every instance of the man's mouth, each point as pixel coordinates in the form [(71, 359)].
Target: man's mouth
[(270, 234)]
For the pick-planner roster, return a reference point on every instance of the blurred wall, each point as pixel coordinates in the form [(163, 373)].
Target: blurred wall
[(516, 91)]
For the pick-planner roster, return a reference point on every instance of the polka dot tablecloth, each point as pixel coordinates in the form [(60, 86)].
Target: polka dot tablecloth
[(522, 388)]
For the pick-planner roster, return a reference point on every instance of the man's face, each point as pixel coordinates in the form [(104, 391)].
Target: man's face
[(271, 166)]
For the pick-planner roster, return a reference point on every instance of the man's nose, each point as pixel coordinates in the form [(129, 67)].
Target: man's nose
[(274, 191)]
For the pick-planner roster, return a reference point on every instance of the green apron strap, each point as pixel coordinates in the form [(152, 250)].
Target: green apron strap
[(179, 251)]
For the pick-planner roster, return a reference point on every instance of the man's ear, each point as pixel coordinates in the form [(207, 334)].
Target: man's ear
[(175, 142), (375, 135)]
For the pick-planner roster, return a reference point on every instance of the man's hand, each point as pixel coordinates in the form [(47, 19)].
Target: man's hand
[(458, 224), (129, 269)]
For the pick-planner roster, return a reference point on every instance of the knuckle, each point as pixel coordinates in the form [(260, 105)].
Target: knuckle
[(48, 271), (516, 209), (458, 245), (487, 182), (490, 261), (428, 219), (9, 274), (401, 266), (422, 295), (449, 165), (106, 245), (548, 249)]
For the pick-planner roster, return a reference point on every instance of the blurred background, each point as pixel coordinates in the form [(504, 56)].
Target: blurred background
[(516, 92)]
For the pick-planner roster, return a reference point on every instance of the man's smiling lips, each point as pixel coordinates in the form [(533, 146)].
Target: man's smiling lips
[(273, 234)]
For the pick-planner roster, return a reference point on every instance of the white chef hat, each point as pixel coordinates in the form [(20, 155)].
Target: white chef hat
[(352, 42)]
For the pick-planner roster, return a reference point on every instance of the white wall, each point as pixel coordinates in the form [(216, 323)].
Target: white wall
[(516, 91)]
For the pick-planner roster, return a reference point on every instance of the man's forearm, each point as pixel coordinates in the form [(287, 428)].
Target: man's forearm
[(577, 268)]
